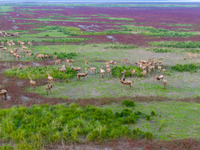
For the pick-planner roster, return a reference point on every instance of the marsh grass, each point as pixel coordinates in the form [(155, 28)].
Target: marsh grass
[(37, 126)]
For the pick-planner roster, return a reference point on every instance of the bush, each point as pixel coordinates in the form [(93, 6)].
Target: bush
[(65, 55), (128, 103), (38, 126), (40, 72), (160, 50), (185, 67), (116, 71), (117, 46)]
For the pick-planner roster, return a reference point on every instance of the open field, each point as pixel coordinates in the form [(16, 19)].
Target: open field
[(158, 110)]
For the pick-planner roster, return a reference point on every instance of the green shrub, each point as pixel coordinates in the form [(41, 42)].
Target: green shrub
[(65, 55), (40, 72), (161, 50), (185, 67), (37, 126), (117, 46), (128, 103), (192, 50), (116, 71)]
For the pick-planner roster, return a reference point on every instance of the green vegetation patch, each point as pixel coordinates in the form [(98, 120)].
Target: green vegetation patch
[(116, 71), (6, 8), (120, 46), (118, 19), (151, 31), (185, 44), (185, 67), (162, 50), (192, 50), (38, 126), (40, 72), (65, 55), (184, 25)]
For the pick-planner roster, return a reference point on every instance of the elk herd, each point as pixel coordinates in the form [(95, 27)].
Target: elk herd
[(147, 67)]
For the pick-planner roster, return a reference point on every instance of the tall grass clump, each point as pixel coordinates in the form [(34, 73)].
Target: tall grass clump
[(65, 55), (40, 72), (38, 126), (185, 67), (116, 71)]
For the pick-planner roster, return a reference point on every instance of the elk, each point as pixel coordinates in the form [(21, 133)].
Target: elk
[(69, 60), (50, 78), (79, 75), (159, 68), (132, 72), (144, 72), (48, 88), (160, 77), (109, 70), (57, 61), (123, 60), (29, 51), (86, 62), (3, 92), (126, 83), (32, 83), (102, 72), (164, 71), (92, 69), (123, 72), (41, 56), (76, 68), (164, 83), (62, 69)]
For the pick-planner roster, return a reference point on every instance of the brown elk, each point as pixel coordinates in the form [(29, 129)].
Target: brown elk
[(76, 68), (50, 78), (102, 72), (3, 92), (123, 60), (32, 83), (79, 75), (92, 69), (57, 61), (164, 83), (48, 88), (132, 72), (41, 56), (126, 83), (69, 60)]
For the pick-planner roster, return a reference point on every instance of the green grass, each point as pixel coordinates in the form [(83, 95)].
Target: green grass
[(184, 25), (35, 127), (173, 120), (6, 8), (185, 44), (162, 50), (186, 67), (40, 72), (118, 19)]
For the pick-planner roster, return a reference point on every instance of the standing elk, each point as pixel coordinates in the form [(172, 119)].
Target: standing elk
[(48, 88), (126, 83), (76, 68), (102, 72), (3, 93), (83, 75), (132, 72), (32, 83), (92, 69), (164, 83), (123, 60), (50, 78)]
